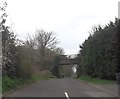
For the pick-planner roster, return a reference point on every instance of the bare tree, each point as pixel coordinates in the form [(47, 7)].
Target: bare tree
[(45, 40), (59, 51)]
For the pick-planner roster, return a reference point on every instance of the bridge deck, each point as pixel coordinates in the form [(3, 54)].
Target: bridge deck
[(68, 62)]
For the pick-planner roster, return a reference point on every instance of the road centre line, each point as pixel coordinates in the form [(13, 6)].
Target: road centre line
[(66, 94)]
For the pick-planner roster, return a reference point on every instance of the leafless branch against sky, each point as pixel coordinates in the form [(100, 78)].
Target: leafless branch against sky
[(70, 19)]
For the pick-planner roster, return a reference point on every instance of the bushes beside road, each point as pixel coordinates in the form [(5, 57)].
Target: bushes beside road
[(98, 55)]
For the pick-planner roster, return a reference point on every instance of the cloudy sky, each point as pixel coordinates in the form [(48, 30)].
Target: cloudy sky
[(70, 20)]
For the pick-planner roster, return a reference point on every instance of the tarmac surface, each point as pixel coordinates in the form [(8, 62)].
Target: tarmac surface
[(64, 88)]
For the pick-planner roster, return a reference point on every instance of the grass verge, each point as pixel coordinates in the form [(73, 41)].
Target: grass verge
[(96, 80), (0, 84), (39, 77), (9, 84)]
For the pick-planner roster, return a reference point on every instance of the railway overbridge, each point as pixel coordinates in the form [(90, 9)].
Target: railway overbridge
[(68, 66)]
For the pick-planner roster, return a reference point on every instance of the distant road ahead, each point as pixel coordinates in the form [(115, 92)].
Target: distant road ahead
[(56, 88)]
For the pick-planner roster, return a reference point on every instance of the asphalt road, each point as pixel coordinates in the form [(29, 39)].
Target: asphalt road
[(57, 88)]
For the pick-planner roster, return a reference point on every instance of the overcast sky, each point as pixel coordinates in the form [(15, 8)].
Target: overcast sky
[(70, 20)]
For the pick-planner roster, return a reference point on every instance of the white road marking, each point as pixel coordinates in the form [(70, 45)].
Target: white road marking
[(66, 94)]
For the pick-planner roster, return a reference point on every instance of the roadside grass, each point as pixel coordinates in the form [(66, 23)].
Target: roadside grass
[(9, 84), (0, 84), (39, 77), (97, 80)]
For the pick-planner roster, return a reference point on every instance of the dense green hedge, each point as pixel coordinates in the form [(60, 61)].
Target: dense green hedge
[(98, 56)]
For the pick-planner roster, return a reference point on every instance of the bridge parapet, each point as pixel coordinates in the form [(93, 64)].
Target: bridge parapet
[(68, 59)]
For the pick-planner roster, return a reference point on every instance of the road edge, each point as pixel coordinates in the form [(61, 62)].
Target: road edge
[(105, 90)]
